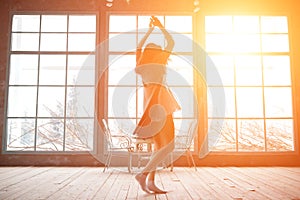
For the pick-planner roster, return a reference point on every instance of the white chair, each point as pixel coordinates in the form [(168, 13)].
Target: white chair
[(183, 143), (125, 144), (142, 148)]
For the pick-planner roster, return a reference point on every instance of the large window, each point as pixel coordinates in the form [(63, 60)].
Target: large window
[(251, 54), (52, 66), (125, 31)]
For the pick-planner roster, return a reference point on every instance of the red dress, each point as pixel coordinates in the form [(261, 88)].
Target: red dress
[(158, 97)]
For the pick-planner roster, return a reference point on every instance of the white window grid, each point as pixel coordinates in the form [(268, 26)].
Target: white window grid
[(67, 126), (271, 130)]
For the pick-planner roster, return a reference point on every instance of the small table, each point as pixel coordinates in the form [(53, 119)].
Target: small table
[(143, 148)]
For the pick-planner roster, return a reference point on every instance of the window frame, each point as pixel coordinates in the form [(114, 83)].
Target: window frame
[(229, 156), (66, 85), (194, 150)]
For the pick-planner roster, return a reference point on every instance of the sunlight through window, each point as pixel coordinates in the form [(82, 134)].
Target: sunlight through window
[(251, 54)]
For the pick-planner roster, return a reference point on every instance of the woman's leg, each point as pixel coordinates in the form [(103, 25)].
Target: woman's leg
[(151, 184), (149, 170), (164, 145)]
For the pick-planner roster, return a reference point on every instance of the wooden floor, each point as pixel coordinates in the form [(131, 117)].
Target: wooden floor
[(183, 183)]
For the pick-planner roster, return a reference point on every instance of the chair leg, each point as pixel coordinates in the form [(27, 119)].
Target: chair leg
[(172, 160), (139, 161), (191, 156), (129, 162), (107, 162)]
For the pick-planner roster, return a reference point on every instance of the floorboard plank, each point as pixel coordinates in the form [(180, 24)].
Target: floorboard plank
[(72, 185), (214, 186), (107, 185), (283, 185), (19, 176), (18, 185), (285, 172), (174, 186), (26, 188), (249, 189), (229, 187), (6, 172), (195, 187), (95, 182), (270, 189), (207, 183)]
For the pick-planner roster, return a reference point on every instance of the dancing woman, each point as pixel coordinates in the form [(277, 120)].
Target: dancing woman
[(159, 104)]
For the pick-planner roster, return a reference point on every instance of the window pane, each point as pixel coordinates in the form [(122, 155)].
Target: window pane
[(225, 69), (219, 43), (280, 136), (178, 61), (54, 23), (81, 42), (246, 24), (121, 23), (53, 42), (52, 69), (248, 70), (50, 134), (183, 42), (121, 102), (182, 66), (179, 76), (216, 101), (21, 102), (26, 23), (278, 102), (222, 135), (121, 68), (120, 125), (246, 43), (82, 23), (277, 70), (51, 102), (25, 42), (179, 23), (80, 101), (218, 24), (271, 24), (229, 102), (184, 134), (140, 101), (251, 135), (275, 43), (156, 38), (81, 69), (180, 71), (23, 69), (79, 135), (20, 134), (249, 102), (186, 99), (122, 42)]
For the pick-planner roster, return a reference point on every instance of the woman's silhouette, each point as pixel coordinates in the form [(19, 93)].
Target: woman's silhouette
[(159, 104)]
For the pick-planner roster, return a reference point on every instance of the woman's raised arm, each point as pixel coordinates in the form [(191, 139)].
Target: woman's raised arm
[(169, 38)]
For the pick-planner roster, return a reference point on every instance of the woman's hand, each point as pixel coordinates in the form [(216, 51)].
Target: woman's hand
[(156, 22), (151, 25)]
